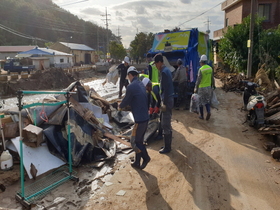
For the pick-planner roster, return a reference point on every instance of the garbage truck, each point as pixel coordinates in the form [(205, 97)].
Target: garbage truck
[(188, 45)]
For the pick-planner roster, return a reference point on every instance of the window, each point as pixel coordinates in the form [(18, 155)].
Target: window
[(264, 11), (61, 60), (226, 23)]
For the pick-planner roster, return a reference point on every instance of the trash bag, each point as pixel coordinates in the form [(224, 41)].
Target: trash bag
[(194, 106), (214, 101)]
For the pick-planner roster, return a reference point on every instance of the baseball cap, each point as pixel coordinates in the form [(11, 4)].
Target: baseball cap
[(131, 69), (126, 59), (145, 81)]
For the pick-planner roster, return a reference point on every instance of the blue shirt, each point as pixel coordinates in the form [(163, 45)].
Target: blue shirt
[(136, 98), (166, 85)]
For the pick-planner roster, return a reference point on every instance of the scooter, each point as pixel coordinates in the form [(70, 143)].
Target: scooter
[(255, 105)]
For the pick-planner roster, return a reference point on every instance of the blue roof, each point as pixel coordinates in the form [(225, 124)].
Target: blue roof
[(36, 51), (74, 46)]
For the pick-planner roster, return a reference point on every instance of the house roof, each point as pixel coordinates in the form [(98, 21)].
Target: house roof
[(16, 48), (37, 51), (74, 46)]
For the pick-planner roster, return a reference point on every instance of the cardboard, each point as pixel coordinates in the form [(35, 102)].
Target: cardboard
[(32, 135)]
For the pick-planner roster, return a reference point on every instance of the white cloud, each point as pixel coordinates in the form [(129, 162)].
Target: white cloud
[(131, 16)]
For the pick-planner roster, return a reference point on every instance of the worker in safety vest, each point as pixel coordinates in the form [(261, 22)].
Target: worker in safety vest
[(154, 77), (149, 88), (203, 86)]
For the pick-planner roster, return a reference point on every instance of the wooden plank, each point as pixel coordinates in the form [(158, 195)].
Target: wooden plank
[(111, 136)]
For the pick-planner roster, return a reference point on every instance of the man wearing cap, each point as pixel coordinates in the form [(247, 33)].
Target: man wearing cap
[(181, 77), (123, 73), (136, 98), (167, 92), (203, 86)]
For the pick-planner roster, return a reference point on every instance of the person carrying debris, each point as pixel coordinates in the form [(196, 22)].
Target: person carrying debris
[(167, 93), (203, 86), (123, 73), (136, 98), (181, 77)]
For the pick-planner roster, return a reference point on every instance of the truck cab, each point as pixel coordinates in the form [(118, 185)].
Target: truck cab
[(17, 65)]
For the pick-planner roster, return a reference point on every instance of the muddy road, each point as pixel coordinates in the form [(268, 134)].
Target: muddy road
[(218, 164), (215, 164)]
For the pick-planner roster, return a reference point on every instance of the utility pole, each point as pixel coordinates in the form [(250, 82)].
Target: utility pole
[(208, 23), (208, 32), (250, 43), (119, 35), (106, 23)]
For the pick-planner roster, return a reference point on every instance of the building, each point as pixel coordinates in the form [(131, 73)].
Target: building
[(44, 58), (12, 51), (236, 10), (82, 54)]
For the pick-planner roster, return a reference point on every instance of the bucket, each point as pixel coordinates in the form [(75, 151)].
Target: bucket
[(6, 160)]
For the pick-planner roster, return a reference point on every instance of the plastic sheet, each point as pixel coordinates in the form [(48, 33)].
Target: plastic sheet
[(214, 101)]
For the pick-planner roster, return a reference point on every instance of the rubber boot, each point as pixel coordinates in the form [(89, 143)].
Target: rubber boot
[(167, 144), (159, 136), (146, 159), (201, 112), (137, 159)]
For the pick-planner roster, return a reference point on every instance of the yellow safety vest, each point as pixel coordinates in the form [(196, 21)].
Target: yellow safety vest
[(155, 73), (206, 78)]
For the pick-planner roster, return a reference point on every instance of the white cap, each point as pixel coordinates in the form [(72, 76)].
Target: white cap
[(131, 69), (203, 58), (126, 59), (146, 81)]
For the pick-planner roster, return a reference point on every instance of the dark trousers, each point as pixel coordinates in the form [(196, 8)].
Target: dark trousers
[(137, 136), (166, 117), (181, 93)]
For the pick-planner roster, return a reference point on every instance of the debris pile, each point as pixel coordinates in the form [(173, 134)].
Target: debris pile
[(231, 81)]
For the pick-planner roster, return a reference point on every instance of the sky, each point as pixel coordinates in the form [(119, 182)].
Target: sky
[(127, 18)]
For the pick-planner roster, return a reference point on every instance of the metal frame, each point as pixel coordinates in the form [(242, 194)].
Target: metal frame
[(21, 196)]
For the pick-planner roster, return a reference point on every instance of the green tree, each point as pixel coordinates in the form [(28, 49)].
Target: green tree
[(233, 47), (117, 50), (141, 45), (269, 51)]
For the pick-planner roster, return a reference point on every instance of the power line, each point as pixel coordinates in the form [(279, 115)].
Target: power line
[(73, 3), (199, 15), (21, 34)]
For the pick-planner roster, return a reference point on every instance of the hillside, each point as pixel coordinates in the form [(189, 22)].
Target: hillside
[(29, 22)]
